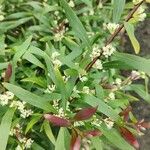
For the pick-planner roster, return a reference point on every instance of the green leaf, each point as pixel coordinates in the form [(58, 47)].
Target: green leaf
[(97, 143), (75, 23), (49, 132), (114, 137), (134, 62), (61, 86), (29, 97), (5, 128), (36, 80), (118, 7), (31, 58), (63, 139), (140, 90), (130, 30), (20, 50), (102, 107), (33, 121), (3, 65)]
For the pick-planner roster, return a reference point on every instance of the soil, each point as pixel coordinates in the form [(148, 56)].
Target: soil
[(141, 109)]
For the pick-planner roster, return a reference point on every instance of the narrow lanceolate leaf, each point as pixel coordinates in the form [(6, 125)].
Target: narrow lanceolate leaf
[(8, 73), (118, 7), (5, 128), (129, 137), (134, 62), (130, 30), (49, 132), (85, 113), (62, 139), (57, 121), (115, 138), (75, 23), (102, 107), (20, 50), (30, 98)]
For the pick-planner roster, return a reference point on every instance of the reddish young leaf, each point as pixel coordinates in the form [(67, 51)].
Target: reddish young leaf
[(129, 137), (142, 125), (125, 113), (57, 121), (92, 133), (85, 113), (75, 141), (8, 73)]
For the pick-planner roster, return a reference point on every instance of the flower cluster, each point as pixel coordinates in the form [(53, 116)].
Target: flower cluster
[(25, 142), (6, 97), (95, 52), (55, 59), (96, 122), (24, 113), (139, 14), (108, 50), (98, 65), (109, 123), (111, 27), (71, 3)]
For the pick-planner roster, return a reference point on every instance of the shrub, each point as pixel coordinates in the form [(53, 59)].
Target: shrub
[(62, 72)]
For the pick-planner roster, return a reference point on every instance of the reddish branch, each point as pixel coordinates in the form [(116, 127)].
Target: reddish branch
[(130, 15)]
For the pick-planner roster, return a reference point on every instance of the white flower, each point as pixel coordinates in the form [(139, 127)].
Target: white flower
[(4, 99), (2, 17), (118, 81), (28, 143), (71, 3), (95, 52), (55, 59), (20, 105), (108, 50), (52, 87), (9, 94), (55, 55), (17, 129), (111, 27), (26, 113), (139, 14), (61, 112), (98, 65), (56, 103), (135, 2), (96, 122), (78, 123), (86, 90), (57, 62), (109, 123), (59, 36), (91, 12), (111, 96), (82, 78)]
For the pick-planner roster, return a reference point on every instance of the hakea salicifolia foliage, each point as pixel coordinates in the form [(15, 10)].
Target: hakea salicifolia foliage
[(77, 135), (139, 126)]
